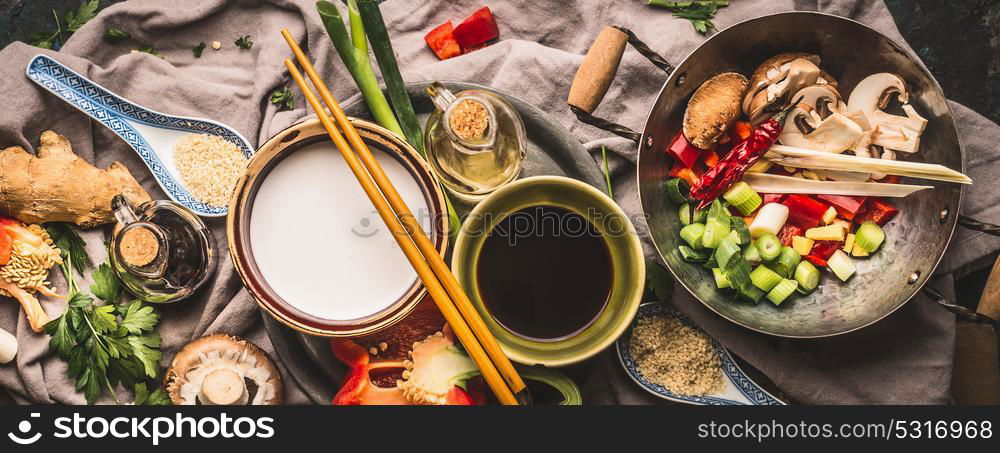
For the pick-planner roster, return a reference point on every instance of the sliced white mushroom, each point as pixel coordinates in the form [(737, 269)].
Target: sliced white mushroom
[(777, 78), (871, 96), (215, 370), (8, 347), (834, 134)]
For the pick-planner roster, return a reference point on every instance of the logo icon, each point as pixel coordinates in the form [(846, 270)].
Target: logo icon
[(25, 427)]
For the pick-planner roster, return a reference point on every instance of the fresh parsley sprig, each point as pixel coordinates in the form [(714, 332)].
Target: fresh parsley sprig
[(108, 344), (699, 12), (74, 20), (283, 98), (244, 42)]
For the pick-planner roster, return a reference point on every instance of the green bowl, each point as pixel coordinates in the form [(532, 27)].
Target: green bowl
[(626, 261)]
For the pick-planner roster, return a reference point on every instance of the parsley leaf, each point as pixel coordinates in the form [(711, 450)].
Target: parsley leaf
[(115, 35), (146, 349), (658, 281), (144, 398), (139, 319), (86, 11), (699, 12), (106, 285), (244, 42), (70, 244), (148, 48), (283, 98), (197, 50)]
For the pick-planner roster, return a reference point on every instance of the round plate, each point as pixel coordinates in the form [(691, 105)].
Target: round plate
[(738, 388), (551, 150)]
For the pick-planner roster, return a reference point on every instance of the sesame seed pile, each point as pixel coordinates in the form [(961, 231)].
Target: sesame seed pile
[(670, 353), (209, 166)]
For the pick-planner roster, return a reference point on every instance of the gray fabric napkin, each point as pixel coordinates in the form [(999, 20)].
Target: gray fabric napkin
[(906, 358)]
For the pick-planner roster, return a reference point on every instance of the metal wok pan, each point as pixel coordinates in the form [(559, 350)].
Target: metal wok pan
[(850, 51)]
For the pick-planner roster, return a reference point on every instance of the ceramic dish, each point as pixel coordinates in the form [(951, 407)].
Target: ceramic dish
[(551, 150), (150, 133), (346, 274), (739, 389), (628, 266)]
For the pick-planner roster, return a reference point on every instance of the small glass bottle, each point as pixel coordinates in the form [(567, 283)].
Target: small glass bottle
[(161, 251), (475, 141)]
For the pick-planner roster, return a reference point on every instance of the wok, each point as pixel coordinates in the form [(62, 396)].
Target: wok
[(915, 240)]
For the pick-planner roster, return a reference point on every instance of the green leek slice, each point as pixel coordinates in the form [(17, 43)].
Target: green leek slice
[(692, 234), (785, 264), (869, 237), (764, 278), (721, 281), (781, 291), (807, 275), (769, 246), (677, 190), (693, 256), (743, 198)]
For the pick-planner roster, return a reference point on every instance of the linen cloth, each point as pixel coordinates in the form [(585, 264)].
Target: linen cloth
[(904, 359)]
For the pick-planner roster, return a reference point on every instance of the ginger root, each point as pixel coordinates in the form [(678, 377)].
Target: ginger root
[(59, 186)]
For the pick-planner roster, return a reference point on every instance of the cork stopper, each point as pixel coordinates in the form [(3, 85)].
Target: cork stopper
[(469, 120), (139, 246)]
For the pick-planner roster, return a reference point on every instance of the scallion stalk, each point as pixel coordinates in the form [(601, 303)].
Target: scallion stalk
[(869, 237), (769, 246), (807, 275), (378, 36), (786, 262), (764, 278), (692, 235), (781, 291), (358, 64)]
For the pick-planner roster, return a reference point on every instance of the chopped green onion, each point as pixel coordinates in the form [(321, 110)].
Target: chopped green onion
[(869, 237), (764, 278), (738, 272), (692, 234), (721, 281), (712, 262), (781, 291), (751, 253), (807, 275), (693, 256), (378, 36), (698, 215), (785, 264), (740, 227), (716, 229), (769, 246), (841, 264), (753, 293), (743, 198), (684, 214), (677, 190), (733, 236), (726, 250)]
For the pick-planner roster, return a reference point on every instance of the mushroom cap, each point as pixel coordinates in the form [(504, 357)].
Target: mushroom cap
[(872, 93), (775, 62), (190, 356), (713, 107)]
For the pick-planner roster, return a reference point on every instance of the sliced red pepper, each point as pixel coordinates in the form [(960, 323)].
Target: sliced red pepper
[(875, 210), (804, 211), (442, 41), (685, 153), (466, 50), (817, 261), (846, 206), (691, 175), (739, 131), (709, 158), (824, 249), (771, 198), (787, 232), (6, 244), (891, 179), (476, 29)]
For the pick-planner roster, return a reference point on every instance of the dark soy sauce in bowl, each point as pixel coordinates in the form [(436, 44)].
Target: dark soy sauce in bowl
[(544, 273)]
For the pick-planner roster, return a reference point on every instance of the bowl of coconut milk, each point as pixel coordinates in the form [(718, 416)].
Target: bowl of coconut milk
[(307, 242)]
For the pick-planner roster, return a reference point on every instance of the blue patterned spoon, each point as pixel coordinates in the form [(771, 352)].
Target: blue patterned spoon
[(150, 133)]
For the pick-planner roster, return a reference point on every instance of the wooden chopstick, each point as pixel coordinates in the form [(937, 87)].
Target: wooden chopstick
[(444, 288)]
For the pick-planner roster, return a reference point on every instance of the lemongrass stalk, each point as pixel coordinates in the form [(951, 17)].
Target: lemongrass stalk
[(374, 27), (807, 158), (768, 183), (358, 64)]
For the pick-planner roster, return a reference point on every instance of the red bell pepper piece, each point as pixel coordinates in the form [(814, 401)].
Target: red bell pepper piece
[(787, 231), (817, 261), (739, 131), (6, 245), (804, 211), (685, 153), (476, 29), (875, 210), (891, 179), (709, 158), (846, 206), (824, 249), (690, 175), (442, 41), (771, 198)]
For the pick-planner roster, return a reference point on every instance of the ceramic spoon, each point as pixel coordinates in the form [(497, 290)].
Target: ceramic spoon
[(150, 133)]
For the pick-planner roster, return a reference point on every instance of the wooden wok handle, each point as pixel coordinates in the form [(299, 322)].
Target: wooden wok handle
[(597, 70)]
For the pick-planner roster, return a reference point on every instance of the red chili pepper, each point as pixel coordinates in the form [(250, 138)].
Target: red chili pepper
[(476, 29), (846, 206), (732, 167), (804, 211), (786, 233), (709, 158), (817, 261), (771, 198), (442, 41), (683, 151), (875, 210)]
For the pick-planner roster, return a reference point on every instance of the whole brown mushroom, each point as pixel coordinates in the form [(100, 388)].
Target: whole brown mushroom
[(216, 370), (713, 108)]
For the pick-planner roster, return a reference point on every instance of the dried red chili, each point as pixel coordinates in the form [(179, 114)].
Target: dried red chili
[(731, 168)]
